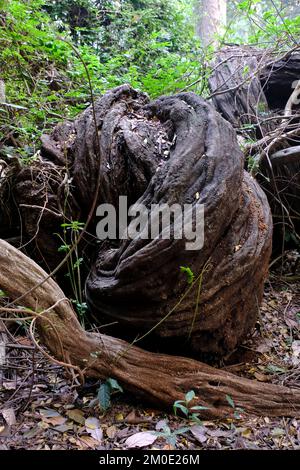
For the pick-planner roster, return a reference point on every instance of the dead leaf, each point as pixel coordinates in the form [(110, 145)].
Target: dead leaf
[(132, 418), (123, 433), (48, 413), (32, 432), (52, 417), (296, 348), (97, 434), (92, 423), (64, 428), (87, 442), (199, 432), (111, 432), (247, 433), (141, 439), (119, 417), (56, 420), (219, 433), (264, 346), (168, 447), (4, 431), (92, 426), (277, 432), (9, 385), (9, 416), (76, 415), (261, 377)]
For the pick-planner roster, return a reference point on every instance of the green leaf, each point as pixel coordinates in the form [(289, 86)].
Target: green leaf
[(190, 396), (275, 369), (64, 248), (189, 273), (194, 417), (180, 431), (230, 401), (114, 385), (78, 263), (179, 406), (103, 396), (198, 408)]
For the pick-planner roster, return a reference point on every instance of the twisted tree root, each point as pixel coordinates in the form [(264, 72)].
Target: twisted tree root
[(157, 378)]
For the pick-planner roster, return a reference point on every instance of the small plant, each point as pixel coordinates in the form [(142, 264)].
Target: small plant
[(189, 274), (81, 309), (186, 409), (74, 226), (70, 238), (171, 436), (105, 392), (252, 164), (236, 410), (246, 70)]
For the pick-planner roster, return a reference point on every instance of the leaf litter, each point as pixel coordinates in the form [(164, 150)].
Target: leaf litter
[(50, 413)]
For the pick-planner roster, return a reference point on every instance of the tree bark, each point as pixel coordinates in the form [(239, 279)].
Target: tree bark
[(174, 150), (2, 91), (157, 378), (255, 91), (211, 16)]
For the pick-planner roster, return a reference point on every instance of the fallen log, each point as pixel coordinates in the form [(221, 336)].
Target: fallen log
[(156, 378)]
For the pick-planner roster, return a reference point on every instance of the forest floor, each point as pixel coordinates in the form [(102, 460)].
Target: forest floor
[(42, 410)]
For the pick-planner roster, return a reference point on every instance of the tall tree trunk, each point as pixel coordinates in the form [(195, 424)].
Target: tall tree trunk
[(211, 16), (2, 91)]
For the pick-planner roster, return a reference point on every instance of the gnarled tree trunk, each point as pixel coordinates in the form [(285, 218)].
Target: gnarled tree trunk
[(175, 150)]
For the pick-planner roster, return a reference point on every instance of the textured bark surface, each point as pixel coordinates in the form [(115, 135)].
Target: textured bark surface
[(173, 150), (235, 85), (281, 182), (278, 80), (157, 378), (211, 18), (247, 84), (252, 87)]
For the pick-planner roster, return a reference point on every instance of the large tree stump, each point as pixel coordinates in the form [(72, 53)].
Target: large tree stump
[(157, 378), (173, 150)]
